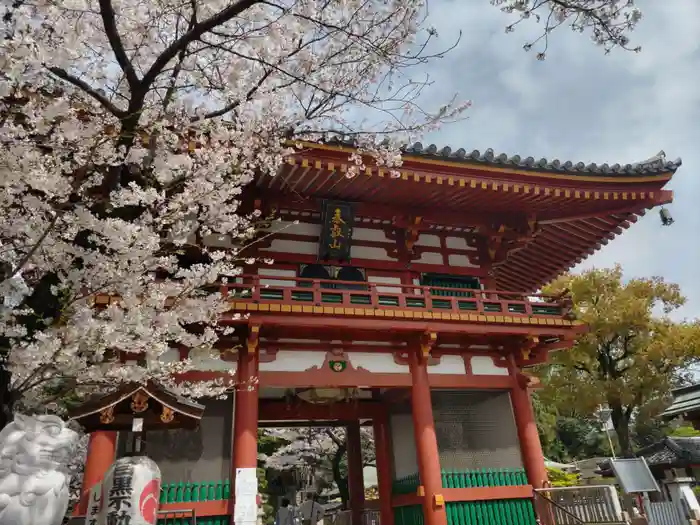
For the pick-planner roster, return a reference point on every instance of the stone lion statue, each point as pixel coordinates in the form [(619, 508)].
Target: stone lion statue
[(34, 452)]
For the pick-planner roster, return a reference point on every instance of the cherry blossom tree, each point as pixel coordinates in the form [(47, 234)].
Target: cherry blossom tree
[(607, 21), (129, 129), (320, 450)]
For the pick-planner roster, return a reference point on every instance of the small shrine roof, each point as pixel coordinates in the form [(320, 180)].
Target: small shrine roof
[(670, 452), (158, 406), (685, 400)]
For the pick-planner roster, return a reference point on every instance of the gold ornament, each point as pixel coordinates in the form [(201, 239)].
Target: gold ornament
[(167, 415), (139, 402), (107, 416)]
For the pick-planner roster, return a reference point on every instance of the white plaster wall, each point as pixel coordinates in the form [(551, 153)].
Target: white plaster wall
[(449, 364), (369, 234), (457, 243), (207, 361), (377, 363), (369, 252), (294, 361), (483, 365), (287, 246), (301, 228), (385, 280), (275, 272), (403, 444), (458, 259), (426, 239), (430, 258)]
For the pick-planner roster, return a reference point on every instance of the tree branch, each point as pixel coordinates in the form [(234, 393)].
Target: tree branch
[(104, 101), (33, 249), (198, 30), (108, 20)]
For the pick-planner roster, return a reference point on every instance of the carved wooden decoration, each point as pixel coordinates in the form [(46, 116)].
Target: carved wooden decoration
[(139, 402), (107, 415), (167, 415)]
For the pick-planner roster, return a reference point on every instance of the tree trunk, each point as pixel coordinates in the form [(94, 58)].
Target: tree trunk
[(340, 481), (6, 399), (621, 422)]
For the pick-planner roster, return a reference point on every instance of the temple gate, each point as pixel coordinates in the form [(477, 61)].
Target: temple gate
[(408, 303)]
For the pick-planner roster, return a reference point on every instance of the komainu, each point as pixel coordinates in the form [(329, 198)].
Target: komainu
[(34, 452)]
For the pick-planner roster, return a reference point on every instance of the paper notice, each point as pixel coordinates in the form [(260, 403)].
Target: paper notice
[(246, 482), (245, 510)]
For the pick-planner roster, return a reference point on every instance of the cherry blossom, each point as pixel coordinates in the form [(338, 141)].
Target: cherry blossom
[(129, 131)]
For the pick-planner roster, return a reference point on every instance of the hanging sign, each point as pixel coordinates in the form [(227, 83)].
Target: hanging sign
[(336, 233), (131, 492)]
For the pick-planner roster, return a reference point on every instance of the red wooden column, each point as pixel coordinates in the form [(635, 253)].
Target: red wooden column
[(245, 431), (102, 449), (530, 446), (356, 482), (384, 455), (426, 442)]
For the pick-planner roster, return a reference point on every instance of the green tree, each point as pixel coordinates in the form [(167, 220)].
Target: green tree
[(632, 354)]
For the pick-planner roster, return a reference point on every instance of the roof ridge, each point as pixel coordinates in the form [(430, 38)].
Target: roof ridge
[(655, 165)]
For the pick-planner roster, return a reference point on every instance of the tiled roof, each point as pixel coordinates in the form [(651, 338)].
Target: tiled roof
[(655, 165), (671, 451), (685, 399)]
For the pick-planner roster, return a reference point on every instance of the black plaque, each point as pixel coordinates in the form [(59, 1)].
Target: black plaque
[(336, 234)]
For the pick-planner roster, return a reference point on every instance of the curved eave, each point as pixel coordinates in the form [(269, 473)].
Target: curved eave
[(434, 159), (557, 248)]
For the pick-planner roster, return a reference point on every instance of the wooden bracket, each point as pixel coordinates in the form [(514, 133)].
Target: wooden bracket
[(530, 343), (412, 232), (253, 339), (505, 239), (427, 343)]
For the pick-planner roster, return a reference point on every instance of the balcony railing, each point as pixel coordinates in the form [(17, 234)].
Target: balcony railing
[(380, 296)]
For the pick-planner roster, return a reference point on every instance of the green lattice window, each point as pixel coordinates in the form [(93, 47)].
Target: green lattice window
[(458, 283)]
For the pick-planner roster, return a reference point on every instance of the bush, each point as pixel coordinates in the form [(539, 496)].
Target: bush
[(559, 478)]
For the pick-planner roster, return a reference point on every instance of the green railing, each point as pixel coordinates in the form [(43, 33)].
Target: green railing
[(494, 512), (182, 492), (411, 515), (466, 479), (484, 478), (204, 520), (406, 485)]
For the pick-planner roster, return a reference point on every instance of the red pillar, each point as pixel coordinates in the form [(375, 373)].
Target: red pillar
[(530, 446), (356, 482), (384, 454), (102, 449), (245, 431), (426, 443)]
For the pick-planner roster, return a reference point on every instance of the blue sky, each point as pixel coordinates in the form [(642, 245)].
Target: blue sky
[(582, 105)]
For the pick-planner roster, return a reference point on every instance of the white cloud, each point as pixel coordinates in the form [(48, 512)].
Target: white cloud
[(582, 105)]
